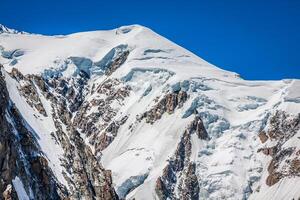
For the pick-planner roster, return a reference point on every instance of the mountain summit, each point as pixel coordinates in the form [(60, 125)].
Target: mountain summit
[(128, 114), (4, 29)]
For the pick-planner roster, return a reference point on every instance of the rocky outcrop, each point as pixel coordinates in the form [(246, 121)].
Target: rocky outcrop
[(198, 127), (68, 92), (285, 160), (168, 104), (115, 64), (189, 185), (85, 176), (8, 152), (96, 116), (21, 157), (263, 136), (29, 90), (8, 193), (180, 173), (283, 126), (268, 151), (113, 59), (109, 134)]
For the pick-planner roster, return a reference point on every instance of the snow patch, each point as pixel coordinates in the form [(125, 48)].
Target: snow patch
[(19, 187), (129, 175), (135, 72), (130, 184)]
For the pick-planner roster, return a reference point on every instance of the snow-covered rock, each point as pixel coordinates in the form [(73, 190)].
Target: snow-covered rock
[(128, 114)]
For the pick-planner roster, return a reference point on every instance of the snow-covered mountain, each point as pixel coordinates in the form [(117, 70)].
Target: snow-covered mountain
[(4, 29), (127, 114)]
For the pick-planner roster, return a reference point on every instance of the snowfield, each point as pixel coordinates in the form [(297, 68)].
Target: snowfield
[(233, 110)]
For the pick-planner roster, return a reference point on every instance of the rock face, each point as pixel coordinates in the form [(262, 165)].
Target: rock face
[(7, 194), (95, 116), (115, 64), (189, 186), (85, 176), (21, 157), (285, 160), (167, 104), (180, 173), (29, 90), (263, 137), (84, 173)]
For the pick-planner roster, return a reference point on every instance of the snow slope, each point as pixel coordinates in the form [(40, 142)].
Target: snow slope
[(233, 110)]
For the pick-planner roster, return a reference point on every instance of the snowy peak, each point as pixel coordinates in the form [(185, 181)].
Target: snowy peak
[(4, 29), (147, 49)]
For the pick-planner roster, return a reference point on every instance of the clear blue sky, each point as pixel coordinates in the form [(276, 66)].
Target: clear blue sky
[(259, 39)]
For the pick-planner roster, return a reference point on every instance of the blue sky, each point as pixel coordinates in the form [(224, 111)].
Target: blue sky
[(259, 39)]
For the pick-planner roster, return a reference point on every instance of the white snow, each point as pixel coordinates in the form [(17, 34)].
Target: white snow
[(287, 188), (19, 187)]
